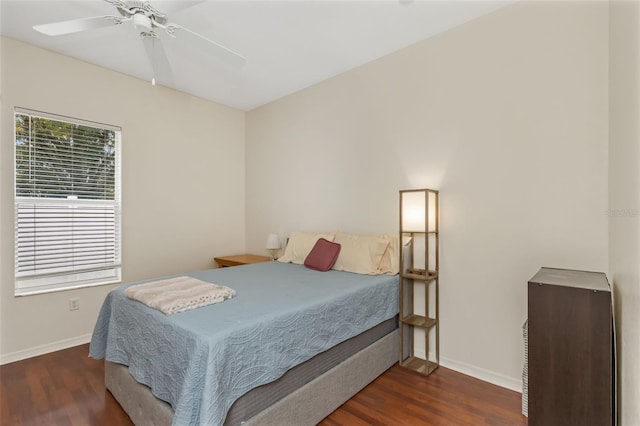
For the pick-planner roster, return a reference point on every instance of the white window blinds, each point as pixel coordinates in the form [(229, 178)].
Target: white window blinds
[(67, 203)]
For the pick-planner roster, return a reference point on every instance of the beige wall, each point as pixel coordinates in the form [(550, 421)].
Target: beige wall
[(182, 184), (624, 199), (506, 115)]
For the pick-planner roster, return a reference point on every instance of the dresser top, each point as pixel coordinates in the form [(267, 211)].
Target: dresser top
[(570, 278)]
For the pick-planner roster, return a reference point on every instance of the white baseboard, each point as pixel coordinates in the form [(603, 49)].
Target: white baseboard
[(471, 370), (483, 374), (44, 349)]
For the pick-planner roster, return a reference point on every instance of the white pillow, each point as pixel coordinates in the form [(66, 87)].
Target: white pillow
[(390, 263), (300, 244), (360, 254)]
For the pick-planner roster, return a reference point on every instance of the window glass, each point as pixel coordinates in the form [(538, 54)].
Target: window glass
[(67, 203)]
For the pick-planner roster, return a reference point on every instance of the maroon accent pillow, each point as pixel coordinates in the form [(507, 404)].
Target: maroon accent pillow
[(323, 255)]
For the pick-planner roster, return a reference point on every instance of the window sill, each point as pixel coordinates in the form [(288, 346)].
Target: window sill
[(27, 292)]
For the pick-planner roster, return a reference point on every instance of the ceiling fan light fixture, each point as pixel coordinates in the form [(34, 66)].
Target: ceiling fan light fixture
[(142, 22)]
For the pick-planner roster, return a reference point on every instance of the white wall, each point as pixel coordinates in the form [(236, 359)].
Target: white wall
[(506, 115), (624, 199), (182, 184)]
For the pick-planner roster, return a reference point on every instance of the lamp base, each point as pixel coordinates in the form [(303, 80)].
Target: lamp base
[(274, 253)]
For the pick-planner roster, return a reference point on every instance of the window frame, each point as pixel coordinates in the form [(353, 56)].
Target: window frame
[(53, 282)]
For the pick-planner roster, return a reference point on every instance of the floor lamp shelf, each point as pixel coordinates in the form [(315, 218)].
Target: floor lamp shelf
[(419, 280)]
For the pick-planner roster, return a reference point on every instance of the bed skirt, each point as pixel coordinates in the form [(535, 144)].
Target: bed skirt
[(307, 405)]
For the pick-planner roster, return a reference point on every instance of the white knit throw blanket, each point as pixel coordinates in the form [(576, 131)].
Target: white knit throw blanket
[(178, 294)]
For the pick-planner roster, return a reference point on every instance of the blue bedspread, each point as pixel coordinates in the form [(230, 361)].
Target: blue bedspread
[(201, 361)]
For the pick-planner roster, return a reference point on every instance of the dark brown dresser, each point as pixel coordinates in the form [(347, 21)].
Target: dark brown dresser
[(571, 357)]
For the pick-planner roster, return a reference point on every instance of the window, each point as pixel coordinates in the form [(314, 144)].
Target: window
[(67, 203)]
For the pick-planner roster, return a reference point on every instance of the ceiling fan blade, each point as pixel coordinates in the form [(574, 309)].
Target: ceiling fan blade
[(77, 25), (220, 52), (158, 59)]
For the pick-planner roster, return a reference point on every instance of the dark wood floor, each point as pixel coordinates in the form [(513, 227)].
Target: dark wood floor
[(67, 388)]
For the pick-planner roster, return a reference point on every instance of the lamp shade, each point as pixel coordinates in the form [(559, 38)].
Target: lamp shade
[(415, 206), (413, 211), (273, 242)]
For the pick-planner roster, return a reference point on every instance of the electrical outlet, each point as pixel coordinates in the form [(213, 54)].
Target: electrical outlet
[(74, 304)]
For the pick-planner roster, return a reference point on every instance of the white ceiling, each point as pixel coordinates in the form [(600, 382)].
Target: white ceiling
[(289, 45)]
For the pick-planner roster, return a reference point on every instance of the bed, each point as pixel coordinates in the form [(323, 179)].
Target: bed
[(289, 348)]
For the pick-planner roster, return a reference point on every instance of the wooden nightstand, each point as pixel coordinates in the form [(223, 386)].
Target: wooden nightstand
[(240, 259)]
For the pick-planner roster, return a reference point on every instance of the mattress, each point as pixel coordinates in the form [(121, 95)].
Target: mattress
[(202, 361)]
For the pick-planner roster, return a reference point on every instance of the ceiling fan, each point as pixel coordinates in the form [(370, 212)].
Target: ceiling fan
[(148, 20)]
